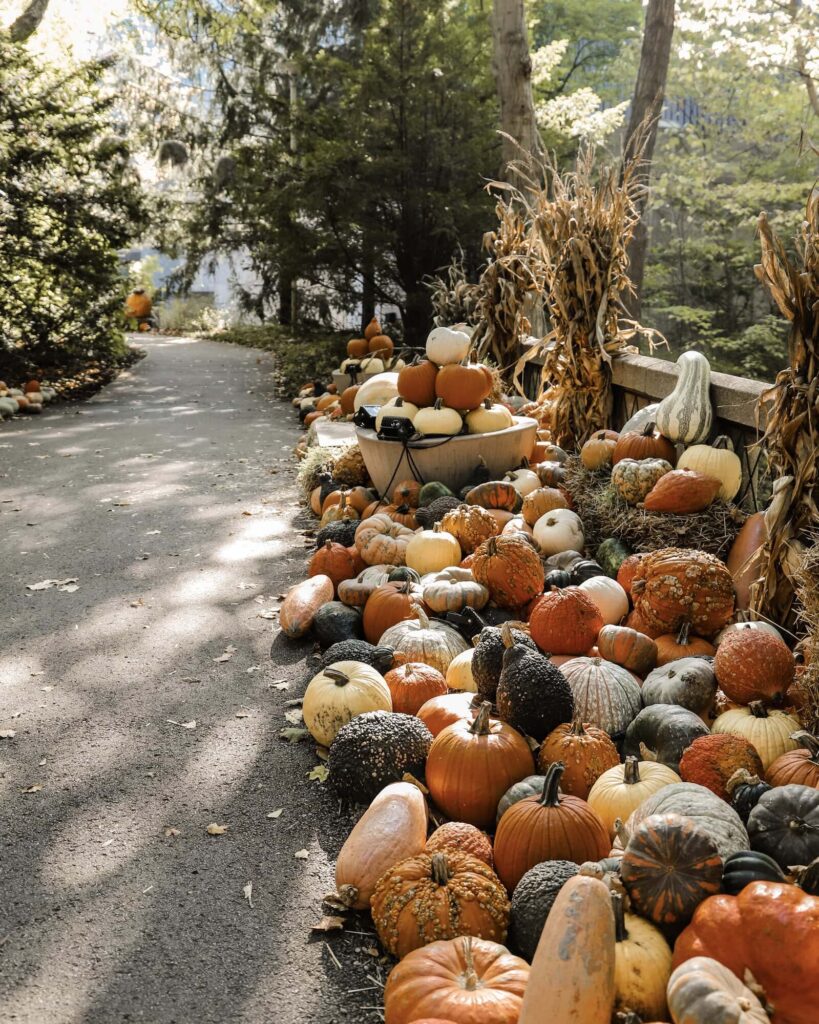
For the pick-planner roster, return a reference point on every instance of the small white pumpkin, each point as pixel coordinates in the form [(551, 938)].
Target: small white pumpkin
[(372, 364), (445, 346), (463, 328), (488, 418), (377, 390), (307, 403), (396, 407), (609, 596), (686, 414), (432, 550), (524, 480), (437, 420), (395, 364), (559, 530), (718, 460), (339, 693), (459, 674), (735, 627)]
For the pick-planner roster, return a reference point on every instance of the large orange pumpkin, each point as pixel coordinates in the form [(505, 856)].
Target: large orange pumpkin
[(647, 443), (797, 767), (416, 382), (565, 621), (471, 765), (412, 685), (673, 646), (510, 569), (439, 712), (585, 751), (547, 827), (388, 604), (674, 585), (463, 385), (752, 664), (438, 896), (469, 980), (770, 929), (407, 492), (357, 348), (335, 561)]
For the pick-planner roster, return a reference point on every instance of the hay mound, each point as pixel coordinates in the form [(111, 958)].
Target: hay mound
[(605, 514)]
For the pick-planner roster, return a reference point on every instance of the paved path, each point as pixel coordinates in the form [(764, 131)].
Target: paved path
[(170, 498)]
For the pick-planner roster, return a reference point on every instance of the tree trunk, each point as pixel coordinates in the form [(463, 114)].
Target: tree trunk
[(512, 66), (29, 21), (646, 105)]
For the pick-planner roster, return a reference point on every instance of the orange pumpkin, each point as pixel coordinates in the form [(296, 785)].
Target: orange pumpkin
[(469, 980), (770, 929), (675, 585), (681, 492), (672, 647), (439, 712), (462, 385), (510, 569), (403, 514), (412, 685), (627, 571), (438, 896), (407, 493), (797, 767), (459, 837), (301, 604), (335, 561), (494, 494), (710, 761), (754, 665), (372, 329), (471, 765), (389, 604), (326, 400), (357, 497), (470, 525), (744, 557), (357, 348), (547, 827), (347, 400), (537, 503), (565, 621), (416, 382), (311, 417), (315, 500), (625, 646), (647, 443), (598, 451), (381, 345), (585, 751)]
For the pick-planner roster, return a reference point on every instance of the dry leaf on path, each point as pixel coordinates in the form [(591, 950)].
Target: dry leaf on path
[(281, 685), (216, 830), (170, 833), (301, 854), (336, 902), (252, 669), (319, 773), (182, 725), (48, 584), (243, 714), (293, 735), (276, 813), (247, 892), (228, 653), (329, 923), (7, 734), (32, 789), (267, 613), (69, 588), (294, 717)]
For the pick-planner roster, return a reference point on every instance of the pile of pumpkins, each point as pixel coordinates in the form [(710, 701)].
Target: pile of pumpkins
[(29, 400), (442, 393), (627, 805), (374, 353)]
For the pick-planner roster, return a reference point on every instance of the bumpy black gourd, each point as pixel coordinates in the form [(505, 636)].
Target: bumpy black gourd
[(375, 749), (334, 622), (746, 793), (740, 869), (487, 661), (381, 658), (435, 511), (341, 531), (533, 695), (532, 900)]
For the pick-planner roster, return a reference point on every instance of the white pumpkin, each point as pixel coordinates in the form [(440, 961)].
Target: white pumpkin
[(524, 480), (372, 364), (648, 414), (426, 640), (395, 364), (488, 418), (8, 407), (307, 403), (339, 693), (445, 346), (735, 627), (437, 420), (609, 597), (459, 674), (463, 328), (559, 530), (432, 550), (718, 460), (377, 390), (686, 414), (396, 407)]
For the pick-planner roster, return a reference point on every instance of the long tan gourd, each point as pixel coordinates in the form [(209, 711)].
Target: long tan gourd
[(572, 976), (302, 602), (392, 828)]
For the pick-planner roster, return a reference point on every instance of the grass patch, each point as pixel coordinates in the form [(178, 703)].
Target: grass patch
[(301, 355)]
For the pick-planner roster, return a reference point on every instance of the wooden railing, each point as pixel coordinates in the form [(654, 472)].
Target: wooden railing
[(640, 380)]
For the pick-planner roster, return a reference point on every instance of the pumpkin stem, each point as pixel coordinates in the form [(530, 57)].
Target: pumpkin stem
[(622, 832), (631, 771), (577, 726), (620, 933), (471, 975), (810, 743), (682, 636), (551, 783), (339, 678), (506, 636), (487, 403), (649, 428), (440, 869), (480, 727), (439, 402), (741, 777), (491, 547), (758, 709), (420, 614)]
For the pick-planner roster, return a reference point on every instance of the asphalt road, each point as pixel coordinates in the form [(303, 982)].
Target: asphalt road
[(170, 499)]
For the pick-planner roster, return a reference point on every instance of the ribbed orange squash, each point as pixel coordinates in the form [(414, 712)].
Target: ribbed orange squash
[(510, 569), (416, 382)]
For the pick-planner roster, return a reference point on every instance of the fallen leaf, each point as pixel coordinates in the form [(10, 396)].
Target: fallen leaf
[(138, 603), (252, 669), (182, 725), (281, 686), (301, 854), (170, 833), (268, 613), (152, 533), (319, 773), (371, 950), (247, 892), (294, 716), (48, 584), (216, 830), (243, 714), (322, 753), (46, 689), (228, 653), (108, 842), (275, 814), (69, 588), (293, 735), (32, 789), (7, 734), (41, 764), (336, 902), (329, 923), (247, 513)]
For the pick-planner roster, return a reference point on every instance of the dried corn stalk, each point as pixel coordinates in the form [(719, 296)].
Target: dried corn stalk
[(512, 279), (792, 420), (581, 226), (807, 586), (453, 297)]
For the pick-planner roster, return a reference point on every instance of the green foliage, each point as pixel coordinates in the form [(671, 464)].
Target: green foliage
[(68, 201)]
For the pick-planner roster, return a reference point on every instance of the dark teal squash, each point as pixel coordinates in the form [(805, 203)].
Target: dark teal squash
[(334, 622), (434, 489), (611, 554), (532, 901)]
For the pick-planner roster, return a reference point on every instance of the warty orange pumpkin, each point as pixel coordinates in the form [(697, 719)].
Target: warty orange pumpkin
[(585, 751), (754, 665), (510, 569), (565, 621), (460, 837), (675, 585)]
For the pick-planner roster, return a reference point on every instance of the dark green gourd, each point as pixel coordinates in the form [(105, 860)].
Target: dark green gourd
[(435, 511), (334, 622), (532, 900), (745, 791), (533, 695), (381, 658), (342, 531), (487, 661)]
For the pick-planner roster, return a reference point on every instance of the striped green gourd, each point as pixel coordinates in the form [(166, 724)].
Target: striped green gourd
[(686, 414)]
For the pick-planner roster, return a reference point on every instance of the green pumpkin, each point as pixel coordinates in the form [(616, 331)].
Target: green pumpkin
[(611, 554), (434, 489), (402, 574)]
